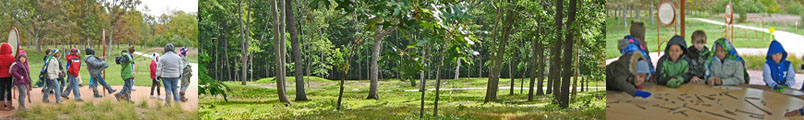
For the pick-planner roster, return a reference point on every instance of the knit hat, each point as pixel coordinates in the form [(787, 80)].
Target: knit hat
[(183, 51), (642, 67), (90, 51)]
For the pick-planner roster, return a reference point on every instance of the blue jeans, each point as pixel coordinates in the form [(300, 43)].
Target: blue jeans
[(95, 81), (22, 91), (126, 91), (73, 87), (61, 83), (52, 85), (171, 88)]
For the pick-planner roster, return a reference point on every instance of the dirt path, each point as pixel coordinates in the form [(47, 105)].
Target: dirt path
[(141, 93)]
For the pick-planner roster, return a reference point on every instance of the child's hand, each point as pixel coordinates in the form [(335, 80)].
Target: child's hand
[(696, 80), (714, 81)]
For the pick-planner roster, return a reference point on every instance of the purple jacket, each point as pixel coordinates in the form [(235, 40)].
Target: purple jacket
[(20, 70)]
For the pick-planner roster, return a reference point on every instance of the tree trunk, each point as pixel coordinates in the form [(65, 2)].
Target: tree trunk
[(457, 69), (565, 82), (491, 92), (294, 41), (280, 63), (511, 75), (438, 81), (375, 56), (243, 43)]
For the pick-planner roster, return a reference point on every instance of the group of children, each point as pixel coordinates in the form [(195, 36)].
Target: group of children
[(695, 64), (14, 70)]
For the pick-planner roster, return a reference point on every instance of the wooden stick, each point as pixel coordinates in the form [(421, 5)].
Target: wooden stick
[(746, 112), (757, 116), (720, 115), (643, 108), (727, 94), (730, 112), (699, 98), (763, 110), (691, 108), (752, 98)]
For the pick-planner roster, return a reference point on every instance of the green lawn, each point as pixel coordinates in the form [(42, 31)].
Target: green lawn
[(142, 64), (745, 38), (259, 100)]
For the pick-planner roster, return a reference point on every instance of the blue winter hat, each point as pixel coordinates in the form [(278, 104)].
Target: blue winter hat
[(643, 67)]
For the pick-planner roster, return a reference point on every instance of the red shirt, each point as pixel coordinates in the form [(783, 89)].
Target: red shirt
[(5, 60)]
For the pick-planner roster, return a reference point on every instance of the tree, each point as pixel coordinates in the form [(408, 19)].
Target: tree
[(117, 9), (494, 77), (569, 42), (279, 50), (297, 57)]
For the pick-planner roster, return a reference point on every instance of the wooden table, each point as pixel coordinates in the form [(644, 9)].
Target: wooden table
[(699, 101)]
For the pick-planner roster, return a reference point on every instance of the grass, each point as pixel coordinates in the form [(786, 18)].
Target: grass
[(756, 62), (106, 110), (616, 31), (259, 100), (142, 66)]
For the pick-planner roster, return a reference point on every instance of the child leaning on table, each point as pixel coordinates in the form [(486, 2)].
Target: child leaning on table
[(627, 74), (726, 67), (673, 68)]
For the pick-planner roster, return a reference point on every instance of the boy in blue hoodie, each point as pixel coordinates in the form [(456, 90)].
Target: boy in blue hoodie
[(778, 73)]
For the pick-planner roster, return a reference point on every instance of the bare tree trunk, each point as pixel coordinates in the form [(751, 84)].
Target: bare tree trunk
[(244, 43), (280, 63), (294, 39), (565, 83)]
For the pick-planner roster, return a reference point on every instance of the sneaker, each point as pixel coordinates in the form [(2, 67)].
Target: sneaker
[(79, 100), (98, 96), (133, 88), (152, 97), (45, 100), (160, 98), (80, 85), (117, 96), (183, 99), (65, 97), (112, 91)]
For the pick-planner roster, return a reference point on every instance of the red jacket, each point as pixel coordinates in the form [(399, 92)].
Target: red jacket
[(5, 59), (153, 69), (75, 64)]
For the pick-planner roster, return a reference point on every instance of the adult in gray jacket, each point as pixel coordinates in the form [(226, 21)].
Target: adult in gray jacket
[(169, 69), (96, 65)]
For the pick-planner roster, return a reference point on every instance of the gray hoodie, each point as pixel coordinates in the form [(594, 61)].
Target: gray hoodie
[(170, 64), (95, 65)]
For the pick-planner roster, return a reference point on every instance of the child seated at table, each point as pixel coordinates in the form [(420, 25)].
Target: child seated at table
[(778, 73), (673, 67), (698, 54), (726, 67), (627, 74)]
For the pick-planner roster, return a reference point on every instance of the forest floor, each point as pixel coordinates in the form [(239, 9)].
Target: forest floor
[(259, 100)]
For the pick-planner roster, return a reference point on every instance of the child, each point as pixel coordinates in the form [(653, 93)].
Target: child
[(627, 74), (673, 66), (73, 68), (698, 53), (636, 43), (155, 82), (53, 72), (6, 59), (22, 78), (778, 73), (43, 73), (95, 66), (725, 67), (131, 55), (187, 72), (126, 72)]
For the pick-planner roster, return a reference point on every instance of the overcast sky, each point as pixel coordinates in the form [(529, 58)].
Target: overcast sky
[(157, 7)]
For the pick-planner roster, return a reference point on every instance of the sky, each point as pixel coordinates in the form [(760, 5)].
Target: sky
[(158, 7)]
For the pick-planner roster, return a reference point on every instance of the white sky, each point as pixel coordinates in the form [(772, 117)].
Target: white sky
[(157, 7)]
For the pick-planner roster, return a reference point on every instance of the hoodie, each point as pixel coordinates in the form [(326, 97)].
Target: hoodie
[(170, 64), (668, 69), (154, 61), (94, 64), (781, 73), (5, 60), (731, 69), (620, 73)]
